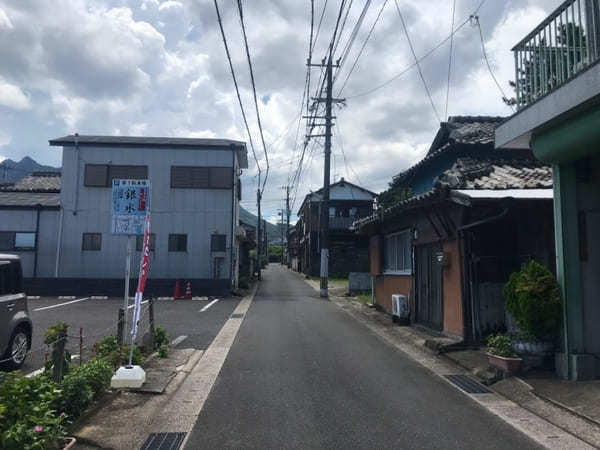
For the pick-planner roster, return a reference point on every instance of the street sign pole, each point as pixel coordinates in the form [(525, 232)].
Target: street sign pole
[(127, 274)]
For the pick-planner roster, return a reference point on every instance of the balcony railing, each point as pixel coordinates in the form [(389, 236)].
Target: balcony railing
[(562, 46), (341, 223)]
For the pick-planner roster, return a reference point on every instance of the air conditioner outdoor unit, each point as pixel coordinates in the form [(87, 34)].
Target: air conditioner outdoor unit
[(400, 309)]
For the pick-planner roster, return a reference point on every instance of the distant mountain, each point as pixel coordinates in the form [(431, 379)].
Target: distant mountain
[(273, 232), (11, 171)]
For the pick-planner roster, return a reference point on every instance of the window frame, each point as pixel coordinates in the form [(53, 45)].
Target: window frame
[(222, 236), (177, 250), (110, 176), (139, 239), (405, 250), (92, 234), (209, 178), (13, 241)]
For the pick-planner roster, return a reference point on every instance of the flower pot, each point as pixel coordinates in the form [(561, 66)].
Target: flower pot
[(69, 442), (505, 364)]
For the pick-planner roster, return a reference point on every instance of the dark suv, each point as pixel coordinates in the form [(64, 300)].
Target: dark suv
[(15, 324)]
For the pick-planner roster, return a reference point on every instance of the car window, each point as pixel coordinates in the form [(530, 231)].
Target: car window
[(11, 278)]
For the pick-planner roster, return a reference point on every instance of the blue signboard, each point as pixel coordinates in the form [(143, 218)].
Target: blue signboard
[(130, 202)]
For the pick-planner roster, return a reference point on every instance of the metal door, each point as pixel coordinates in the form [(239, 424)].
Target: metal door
[(429, 287)]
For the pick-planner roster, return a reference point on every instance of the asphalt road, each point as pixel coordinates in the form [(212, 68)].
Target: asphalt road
[(303, 374), (98, 318)]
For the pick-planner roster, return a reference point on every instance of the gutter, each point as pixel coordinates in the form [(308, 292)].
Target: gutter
[(37, 239)]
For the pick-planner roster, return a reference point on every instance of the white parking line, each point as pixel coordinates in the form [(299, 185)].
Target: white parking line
[(178, 340), (37, 372), (209, 305), (62, 304)]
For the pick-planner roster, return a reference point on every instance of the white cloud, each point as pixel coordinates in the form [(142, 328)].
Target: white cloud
[(5, 21), (4, 140), (12, 96)]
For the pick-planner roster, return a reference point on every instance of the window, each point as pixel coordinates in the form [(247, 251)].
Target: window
[(218, 242), (139, 242), (397, 252), (191, 177), (11, 241), (24, 241), (178, 242), (331, 211), (92, 241), (101, 175), (11, 278)]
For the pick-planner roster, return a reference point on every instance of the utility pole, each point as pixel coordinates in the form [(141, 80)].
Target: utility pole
[(324, 219), (281, 232)]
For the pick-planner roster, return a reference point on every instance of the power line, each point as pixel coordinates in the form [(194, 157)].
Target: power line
[(362, 48), (450, 59), (354, 33), (237, 90), (412, 50), (262, 138), (426, 55), (487, 62)]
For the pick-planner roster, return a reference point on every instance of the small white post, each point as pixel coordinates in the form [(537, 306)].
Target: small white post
[(126, 295)]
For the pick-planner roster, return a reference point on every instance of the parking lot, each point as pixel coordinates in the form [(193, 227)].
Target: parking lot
[(194, 323)]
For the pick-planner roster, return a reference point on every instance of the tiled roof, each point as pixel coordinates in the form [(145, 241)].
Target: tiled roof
[(472, 129), (459, 130), (29, 199), (36, 182), (468, 173)]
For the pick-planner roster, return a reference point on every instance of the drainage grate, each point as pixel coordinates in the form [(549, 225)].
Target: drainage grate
[(163, 441), (469, 385), (237, 316)]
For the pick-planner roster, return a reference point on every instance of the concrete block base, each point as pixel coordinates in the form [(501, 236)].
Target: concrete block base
[(128, 377), (583, 367)]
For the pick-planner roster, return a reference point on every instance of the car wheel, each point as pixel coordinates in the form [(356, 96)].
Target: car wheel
[(17, 349)]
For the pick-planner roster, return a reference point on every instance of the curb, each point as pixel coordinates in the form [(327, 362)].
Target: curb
[(564, 407)]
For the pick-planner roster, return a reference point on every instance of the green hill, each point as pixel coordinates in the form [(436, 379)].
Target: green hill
[(273, 232)]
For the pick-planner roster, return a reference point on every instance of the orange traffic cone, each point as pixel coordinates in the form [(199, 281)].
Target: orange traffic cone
[(176, 293), (188, 290)]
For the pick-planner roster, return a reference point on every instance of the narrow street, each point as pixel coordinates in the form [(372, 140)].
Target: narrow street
[(303, 374)]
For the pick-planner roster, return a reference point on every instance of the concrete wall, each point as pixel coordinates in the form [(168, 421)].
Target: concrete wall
[(195, 212), (24, 220)]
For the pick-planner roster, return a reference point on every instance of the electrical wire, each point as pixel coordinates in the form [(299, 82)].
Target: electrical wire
[(237, 90), (354, 34), (487, 62), (450, 59), (262, 138), (426, 55), (412, 50), (362, 48)]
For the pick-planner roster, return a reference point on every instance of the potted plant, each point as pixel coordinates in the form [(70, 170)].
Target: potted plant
[(501, 354), (532, 297)]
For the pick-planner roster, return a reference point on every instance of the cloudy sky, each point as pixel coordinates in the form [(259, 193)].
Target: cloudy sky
[(158, 68)]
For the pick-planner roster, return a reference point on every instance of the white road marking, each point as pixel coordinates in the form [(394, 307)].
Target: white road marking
[(209, 305), (62, 304), (131, 306), (178, 340), (39, 371)]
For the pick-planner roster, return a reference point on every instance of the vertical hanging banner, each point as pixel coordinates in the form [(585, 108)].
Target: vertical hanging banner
[(144, 267), (130, 202)]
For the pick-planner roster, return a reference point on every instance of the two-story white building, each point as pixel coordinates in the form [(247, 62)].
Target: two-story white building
[(194, 204)]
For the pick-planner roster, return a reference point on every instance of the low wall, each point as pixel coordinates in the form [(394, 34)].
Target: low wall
[(114, 287)]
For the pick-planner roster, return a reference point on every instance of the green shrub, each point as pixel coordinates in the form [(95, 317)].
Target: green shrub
[(501, 345), (532, 297), (76, 393), (107, 349), (160, 337), (163, 351), (28, 413), (97, 373)]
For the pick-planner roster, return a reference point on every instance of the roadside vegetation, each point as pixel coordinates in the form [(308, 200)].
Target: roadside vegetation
[(35, 412)]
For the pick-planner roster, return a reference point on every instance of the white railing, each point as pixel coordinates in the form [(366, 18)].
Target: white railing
[(563, 45)]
